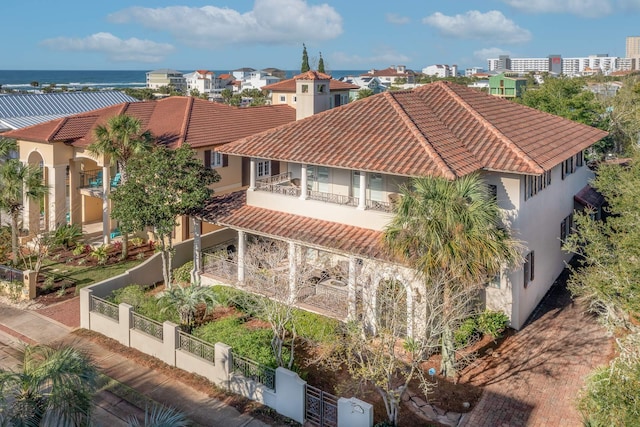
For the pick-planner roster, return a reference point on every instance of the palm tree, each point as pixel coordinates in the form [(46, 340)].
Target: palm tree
[(56, 387), (16, 180), (186, 301), (450, 232), (120, 140), (160, 416)]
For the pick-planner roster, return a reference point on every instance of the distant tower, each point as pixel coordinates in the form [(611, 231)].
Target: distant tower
[(504, 62), (555, 64), (633, 47), (312, 94)]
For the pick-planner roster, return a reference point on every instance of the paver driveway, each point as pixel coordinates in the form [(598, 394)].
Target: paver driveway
[(534, 379)]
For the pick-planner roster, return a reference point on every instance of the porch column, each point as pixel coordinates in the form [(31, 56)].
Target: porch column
[(106, 220), (75, 198), (242, 243), (362, 196), (197, 251), (57, 195), (303, 182), (252, 174), (351, 289), (293, 273)]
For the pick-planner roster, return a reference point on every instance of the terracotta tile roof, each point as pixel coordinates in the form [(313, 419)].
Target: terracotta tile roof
[(172, 121), (312, 75), (387, 72), (230, 210), (438, 129), (289, 85)]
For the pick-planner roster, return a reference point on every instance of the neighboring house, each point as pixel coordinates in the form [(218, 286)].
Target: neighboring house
[(242, 73), (276, 72), (505, 85), (21, 110), (392, 75), (469, 72), (167, 77), (285, 92), (60, 146), (437, 70), (339, 172), (257, 80), (222, 82), (368, 82), (200, 80)]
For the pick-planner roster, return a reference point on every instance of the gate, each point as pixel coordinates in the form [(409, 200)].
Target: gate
[(321, 408)]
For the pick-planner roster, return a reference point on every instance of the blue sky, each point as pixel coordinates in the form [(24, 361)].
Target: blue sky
[(350, 34)]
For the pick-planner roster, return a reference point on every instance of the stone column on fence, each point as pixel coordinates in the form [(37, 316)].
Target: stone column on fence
[(124, 324), (169, 342), (290, 394), (354, 413), (85, 308), (222, 365), (30, 278)]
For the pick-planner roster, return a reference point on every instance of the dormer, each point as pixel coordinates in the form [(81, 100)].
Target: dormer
[(312, 93)]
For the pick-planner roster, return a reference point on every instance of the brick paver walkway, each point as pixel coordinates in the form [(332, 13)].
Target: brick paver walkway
[(534, 379)]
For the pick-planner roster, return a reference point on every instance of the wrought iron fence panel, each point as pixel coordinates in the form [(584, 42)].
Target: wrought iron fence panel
[(275, 179), (148, 326), (254, 371), (379, 206), (321, 408), (197, 347), (104, 307), (338, 199), (9, 274)]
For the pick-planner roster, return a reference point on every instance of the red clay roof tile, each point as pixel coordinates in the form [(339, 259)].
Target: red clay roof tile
[(438, 129)]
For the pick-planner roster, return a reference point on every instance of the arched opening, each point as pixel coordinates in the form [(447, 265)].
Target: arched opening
[(34, 210)]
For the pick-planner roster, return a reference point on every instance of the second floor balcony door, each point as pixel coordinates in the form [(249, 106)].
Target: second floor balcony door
[(318, 178)]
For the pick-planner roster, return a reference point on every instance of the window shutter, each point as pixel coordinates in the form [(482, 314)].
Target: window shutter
[(207, 158), (225, 160), (532, 266), (562, 166)]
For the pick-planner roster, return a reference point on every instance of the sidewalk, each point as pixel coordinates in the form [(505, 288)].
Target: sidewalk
[(28, 327)]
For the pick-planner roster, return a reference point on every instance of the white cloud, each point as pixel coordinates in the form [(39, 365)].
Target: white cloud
[(629, 5), (394, 18), (585, 8), (270, 21), (384, 55), (116, 49), (490, 52), (492, 25)]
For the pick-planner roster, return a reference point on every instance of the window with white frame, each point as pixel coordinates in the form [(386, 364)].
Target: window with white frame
[(283, 98), (263, 168), (214, 159), (528, 268)]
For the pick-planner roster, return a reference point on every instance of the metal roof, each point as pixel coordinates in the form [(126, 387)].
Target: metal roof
[(20, 110)]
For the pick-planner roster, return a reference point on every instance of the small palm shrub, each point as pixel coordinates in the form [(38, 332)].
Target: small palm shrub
[(68, 236), (101, 253)]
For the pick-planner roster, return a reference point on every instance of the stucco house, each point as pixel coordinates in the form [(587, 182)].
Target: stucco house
[(80, 184), (340, 171), (200, 80), (285, 92)]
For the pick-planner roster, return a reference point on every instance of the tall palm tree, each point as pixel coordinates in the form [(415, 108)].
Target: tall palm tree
[(120, 140), (56, 388), (17, 180), (450, 232)]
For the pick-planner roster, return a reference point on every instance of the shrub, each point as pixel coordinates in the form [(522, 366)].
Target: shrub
[(466, 333), (134, 295), (315, 327), (145, 304), (117, 246), (101, 253), (226, 295), (492, 323), (78, 250), (182, 274), (136, 241), (68, 235), (49, 283), (254, 344)]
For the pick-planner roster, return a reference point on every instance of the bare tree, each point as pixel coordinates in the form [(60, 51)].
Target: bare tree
[(272, 270), (379, 352)]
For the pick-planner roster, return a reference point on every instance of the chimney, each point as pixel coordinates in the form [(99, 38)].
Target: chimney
[(312, 94)]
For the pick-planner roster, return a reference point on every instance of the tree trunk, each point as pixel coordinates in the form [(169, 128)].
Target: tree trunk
[(165, 261), (125, 246), (197, 252), (14, 237), (447, 365)]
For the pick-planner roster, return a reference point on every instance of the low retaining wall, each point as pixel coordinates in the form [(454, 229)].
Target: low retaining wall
[(288, 393)]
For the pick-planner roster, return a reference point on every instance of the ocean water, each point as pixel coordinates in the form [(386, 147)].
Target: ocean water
[(98, 79)]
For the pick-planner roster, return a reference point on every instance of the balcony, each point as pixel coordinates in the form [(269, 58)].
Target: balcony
[(92, 180), (285, 185)]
